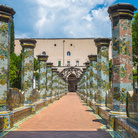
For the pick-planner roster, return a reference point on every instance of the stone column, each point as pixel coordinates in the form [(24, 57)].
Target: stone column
[(102, 69), (54, 83), (87, 64), (42, 75), (49, 81), (28, 46), (6, 16), (93, 76), (122, 80)]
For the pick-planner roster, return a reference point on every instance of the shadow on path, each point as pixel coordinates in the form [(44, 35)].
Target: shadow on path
[(58, 134)]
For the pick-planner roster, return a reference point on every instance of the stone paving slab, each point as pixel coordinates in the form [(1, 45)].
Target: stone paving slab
[(69, 117)]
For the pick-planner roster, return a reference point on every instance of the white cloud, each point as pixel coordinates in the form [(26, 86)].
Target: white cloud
[(72, 18), (21, 35)]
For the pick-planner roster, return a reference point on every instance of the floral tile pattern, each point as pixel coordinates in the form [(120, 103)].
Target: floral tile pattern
[(42, 79), (122, 62), (49, 81), (4, 62), (27, 73), (54, 83), (102, 73)]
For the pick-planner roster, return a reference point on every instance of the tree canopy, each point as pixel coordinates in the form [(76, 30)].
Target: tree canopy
[(135, 39), (12, 38)]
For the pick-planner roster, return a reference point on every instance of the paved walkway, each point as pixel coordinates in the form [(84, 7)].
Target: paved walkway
[(67, 118)]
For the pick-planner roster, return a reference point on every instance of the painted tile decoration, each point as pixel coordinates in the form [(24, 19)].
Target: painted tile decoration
[(4, 62), (93, 79), (49, 81), (27, 69), (54, 83), (88, 83), (42, 79), (102, 73), (122, 62)]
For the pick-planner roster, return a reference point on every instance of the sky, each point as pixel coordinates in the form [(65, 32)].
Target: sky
[(62, 18)]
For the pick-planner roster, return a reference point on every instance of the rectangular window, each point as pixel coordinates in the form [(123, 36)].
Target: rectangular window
[(59, 63), (77, 63), (68, 63)]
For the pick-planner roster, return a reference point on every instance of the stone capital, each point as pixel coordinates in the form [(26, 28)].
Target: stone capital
[(102, 42), (31, 43), (6, 13), (87, 64), (49, 64), (42, 57), (92, 57), (84, 69), (121, 11), (54, 69)]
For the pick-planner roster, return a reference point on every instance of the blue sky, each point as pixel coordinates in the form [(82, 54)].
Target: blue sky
[(62, 18)]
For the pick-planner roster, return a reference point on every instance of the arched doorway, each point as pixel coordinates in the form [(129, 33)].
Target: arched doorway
[(72, 83), (71, 75)]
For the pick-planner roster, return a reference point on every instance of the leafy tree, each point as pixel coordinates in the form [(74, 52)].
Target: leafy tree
[(12, 38), (135, 39), (36, 64), (15, 70), (36, 67), (135, 44)]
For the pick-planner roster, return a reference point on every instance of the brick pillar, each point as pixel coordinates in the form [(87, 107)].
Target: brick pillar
[(42, 75), (102, 69), (93, 76), (54, 83), (49, 80), (122, 80), (28, 46)]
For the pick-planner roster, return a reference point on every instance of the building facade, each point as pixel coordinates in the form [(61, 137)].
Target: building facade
[(64, 52)]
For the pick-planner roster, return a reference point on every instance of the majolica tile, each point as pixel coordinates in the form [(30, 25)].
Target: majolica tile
[(42, 75), (49, 80), (122, 53), (93, 76), (5, 27), (102, 69), (28, 46)]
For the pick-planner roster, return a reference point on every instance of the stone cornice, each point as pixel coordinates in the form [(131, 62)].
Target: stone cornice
[(92, 57), (6, 13), (28, 43), (54, 69), (42, 57), (121, 10), (49, 64), (87, 64), (102, 42)]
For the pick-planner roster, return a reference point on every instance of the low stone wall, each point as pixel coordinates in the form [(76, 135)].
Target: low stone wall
[(132, 104), (21, 113), (123, 125), (126, 128), (104, 114), (39, 105), (15, 98)]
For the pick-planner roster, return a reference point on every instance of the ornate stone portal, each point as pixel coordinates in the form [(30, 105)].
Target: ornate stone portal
[(71, 75)]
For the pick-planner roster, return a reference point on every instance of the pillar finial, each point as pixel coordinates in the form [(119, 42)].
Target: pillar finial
[(121, 11)]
